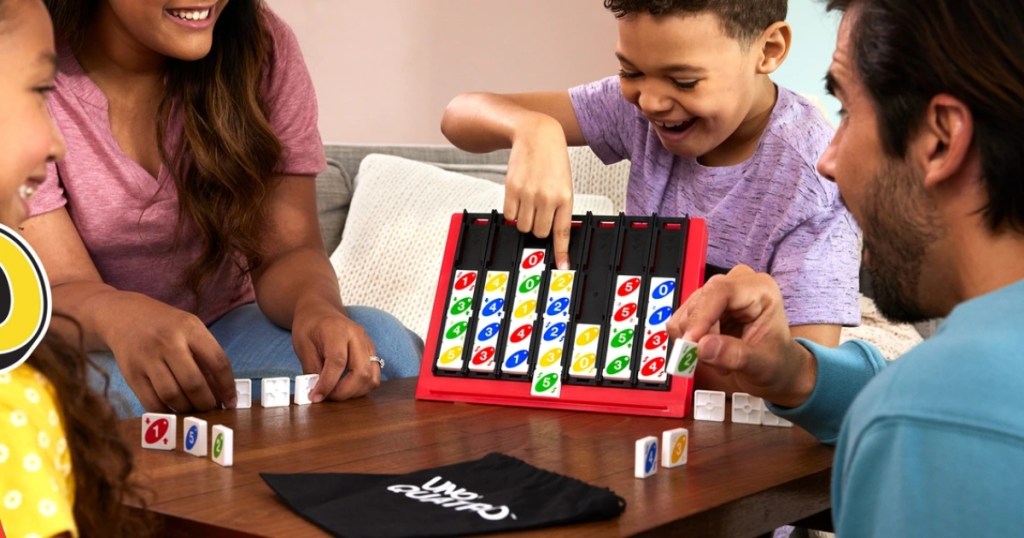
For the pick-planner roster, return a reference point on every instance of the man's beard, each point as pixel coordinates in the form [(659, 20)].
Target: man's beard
[(900, 224)]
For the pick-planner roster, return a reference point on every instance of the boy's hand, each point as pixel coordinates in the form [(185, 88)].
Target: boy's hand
[(538, 188), (755, 346)]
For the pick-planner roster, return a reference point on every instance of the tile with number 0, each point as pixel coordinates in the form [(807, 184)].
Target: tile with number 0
[(584, 351)]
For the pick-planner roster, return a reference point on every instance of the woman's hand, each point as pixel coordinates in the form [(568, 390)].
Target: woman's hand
[(332, 345), (167, 356)]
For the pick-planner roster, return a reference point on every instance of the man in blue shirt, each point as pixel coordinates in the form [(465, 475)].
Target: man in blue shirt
[(930, 160)]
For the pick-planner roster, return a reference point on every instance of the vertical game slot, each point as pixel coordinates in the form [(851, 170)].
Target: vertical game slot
[(459, 316), (662, 298), (594, 296), (622, 351), (555, 319), (532, 262), (500, 263)]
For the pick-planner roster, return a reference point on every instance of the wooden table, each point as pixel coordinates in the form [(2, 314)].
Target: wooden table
[(740, 480)]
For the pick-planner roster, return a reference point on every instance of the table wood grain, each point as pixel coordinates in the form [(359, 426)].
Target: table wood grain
[(740, 479)]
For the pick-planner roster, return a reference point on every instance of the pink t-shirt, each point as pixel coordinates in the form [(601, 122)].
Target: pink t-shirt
[(126, 217)]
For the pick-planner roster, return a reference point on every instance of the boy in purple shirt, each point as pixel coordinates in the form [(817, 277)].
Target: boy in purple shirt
[(708, 133)]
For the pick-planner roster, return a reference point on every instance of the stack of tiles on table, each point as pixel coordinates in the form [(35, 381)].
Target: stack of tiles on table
[(627, 285), (645, 461), (746, 409), (707, 405), (160, 430)]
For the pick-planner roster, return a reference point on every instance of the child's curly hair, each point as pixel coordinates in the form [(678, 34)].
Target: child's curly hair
[(741, 19), (101, 462)]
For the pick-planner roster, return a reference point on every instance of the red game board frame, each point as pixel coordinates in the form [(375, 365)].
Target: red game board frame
[(674, 402)]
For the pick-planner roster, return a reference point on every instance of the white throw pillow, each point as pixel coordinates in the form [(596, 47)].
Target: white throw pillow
[(391, 250)]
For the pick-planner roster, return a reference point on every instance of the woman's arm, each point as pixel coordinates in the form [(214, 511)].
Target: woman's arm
[(167, 356), (296, 288)]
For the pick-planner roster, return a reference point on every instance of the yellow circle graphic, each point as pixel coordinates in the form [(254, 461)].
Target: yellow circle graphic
[(678, 449), (562, 282), (587, 336), (551, 357), (451, 355), (584, 363), (497, 281), (528, 307), (25, 301)]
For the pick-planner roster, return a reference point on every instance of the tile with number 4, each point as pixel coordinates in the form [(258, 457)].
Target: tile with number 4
[(645, 459)]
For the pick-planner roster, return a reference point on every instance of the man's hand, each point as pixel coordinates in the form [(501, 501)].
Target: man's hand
[(754, 345)]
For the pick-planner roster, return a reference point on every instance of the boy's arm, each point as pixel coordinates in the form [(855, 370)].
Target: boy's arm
[(826, 335), (538, 127), (482, 122)]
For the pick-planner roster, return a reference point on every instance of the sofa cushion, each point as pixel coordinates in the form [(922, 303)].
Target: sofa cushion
[(335, 184), (333, 196), (390, 254)]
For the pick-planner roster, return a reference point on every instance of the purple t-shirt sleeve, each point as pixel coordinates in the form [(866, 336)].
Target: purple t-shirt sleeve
[(291, 100), (597, 105), (817, 267)]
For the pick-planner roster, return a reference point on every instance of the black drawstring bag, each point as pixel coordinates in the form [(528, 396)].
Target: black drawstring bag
[(493, 494)]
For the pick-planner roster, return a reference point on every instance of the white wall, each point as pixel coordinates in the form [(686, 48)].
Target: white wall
[(814, 39), (384, 69)]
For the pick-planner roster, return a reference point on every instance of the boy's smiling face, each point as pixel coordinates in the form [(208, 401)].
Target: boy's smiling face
[(700, 88)]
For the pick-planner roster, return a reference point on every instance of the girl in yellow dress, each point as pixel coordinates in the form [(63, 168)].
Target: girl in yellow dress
[(64, 470)]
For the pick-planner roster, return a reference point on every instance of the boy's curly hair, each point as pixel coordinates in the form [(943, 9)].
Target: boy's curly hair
[(741, 19)]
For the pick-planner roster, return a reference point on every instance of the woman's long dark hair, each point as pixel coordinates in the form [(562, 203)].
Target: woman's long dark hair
[(228, 151)]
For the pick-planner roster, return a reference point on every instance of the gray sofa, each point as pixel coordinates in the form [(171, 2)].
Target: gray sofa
[(335, 185)]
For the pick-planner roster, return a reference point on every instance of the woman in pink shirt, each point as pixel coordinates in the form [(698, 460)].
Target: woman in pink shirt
[(187, 198)]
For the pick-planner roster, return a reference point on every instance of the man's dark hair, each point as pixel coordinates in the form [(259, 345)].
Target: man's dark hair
[(743, 20), (908, 51)]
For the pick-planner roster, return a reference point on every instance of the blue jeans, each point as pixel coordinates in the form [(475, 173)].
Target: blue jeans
[(257, 348)]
